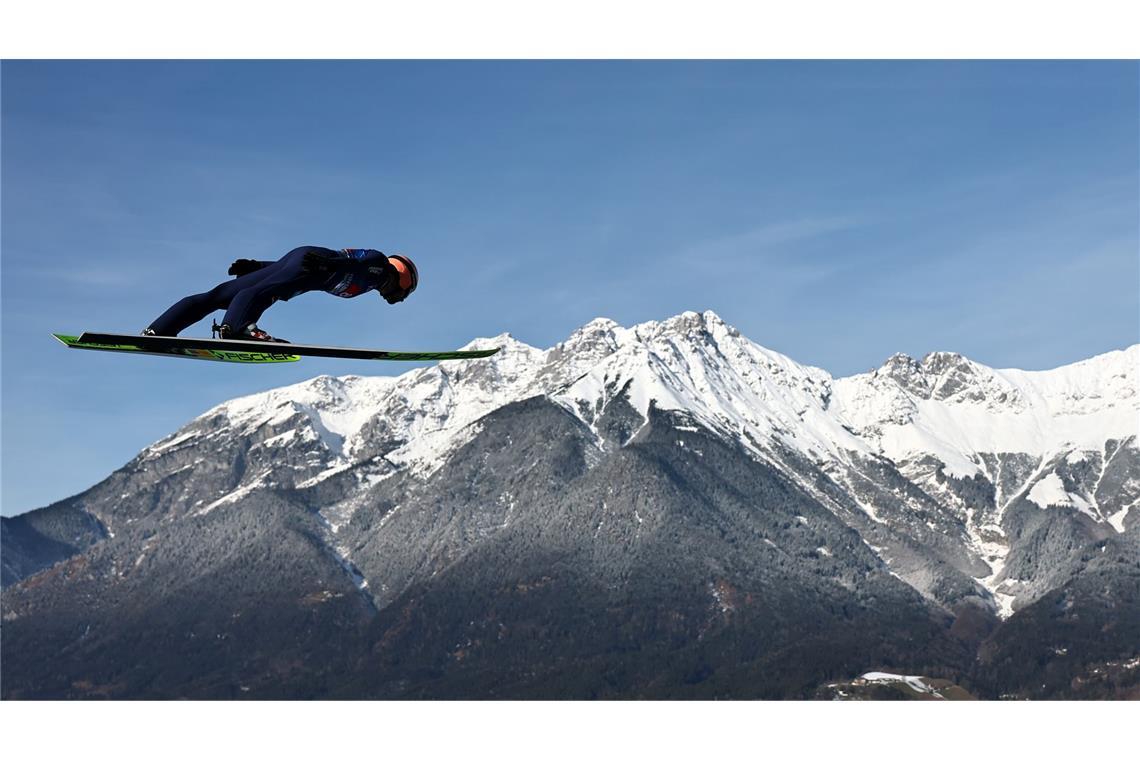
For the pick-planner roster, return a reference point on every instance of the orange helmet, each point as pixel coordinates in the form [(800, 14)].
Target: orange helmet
[(407, 277)]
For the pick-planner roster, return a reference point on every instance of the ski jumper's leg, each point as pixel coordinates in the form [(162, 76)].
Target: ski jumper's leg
[(282, 280), (193, 308)]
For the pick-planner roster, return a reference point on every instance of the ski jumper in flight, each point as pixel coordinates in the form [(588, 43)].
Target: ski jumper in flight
[(347, 273)]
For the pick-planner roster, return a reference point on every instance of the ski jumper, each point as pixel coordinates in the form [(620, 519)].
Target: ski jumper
[(346, 273)]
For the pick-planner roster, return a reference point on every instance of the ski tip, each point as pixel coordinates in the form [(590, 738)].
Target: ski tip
[(67, 340), (481, 353)]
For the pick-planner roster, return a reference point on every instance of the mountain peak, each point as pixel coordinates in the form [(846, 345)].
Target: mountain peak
[(600, 330), (947, 376), (503, 340), (598, 324), (941, 361), (692, 321), (904, 370)]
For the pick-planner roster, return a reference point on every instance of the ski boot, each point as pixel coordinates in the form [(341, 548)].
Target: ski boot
[(251, 332)]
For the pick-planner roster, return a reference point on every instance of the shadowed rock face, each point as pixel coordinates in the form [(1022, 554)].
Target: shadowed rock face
[(44, 537), (574, 544)]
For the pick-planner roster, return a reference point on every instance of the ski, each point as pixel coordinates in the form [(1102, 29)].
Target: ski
[(217, 354), (250, 351)]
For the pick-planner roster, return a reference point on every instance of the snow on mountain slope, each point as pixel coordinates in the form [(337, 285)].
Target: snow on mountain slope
[(955, 409), (945, 407), (699, 364), (338, 407), (961, 430)]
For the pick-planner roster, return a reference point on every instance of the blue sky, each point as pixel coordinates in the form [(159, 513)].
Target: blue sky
[(835, 211)]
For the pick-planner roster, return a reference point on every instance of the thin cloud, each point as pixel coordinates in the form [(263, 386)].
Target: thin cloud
[(769, 238), (99, 278)]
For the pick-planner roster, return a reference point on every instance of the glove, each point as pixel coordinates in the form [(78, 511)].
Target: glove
[(244, 266), (314, 262)]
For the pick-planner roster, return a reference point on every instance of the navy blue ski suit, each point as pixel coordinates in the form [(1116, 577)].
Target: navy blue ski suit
[(346, 273)]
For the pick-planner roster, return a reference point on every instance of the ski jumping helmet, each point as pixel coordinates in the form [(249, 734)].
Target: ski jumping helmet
[(407, 277)]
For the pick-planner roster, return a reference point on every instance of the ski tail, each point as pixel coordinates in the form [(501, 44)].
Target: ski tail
[(207, 354)]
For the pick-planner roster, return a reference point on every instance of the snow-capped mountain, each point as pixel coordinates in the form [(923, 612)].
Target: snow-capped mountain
[(977, 491), (946, 406), (945, 423)]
